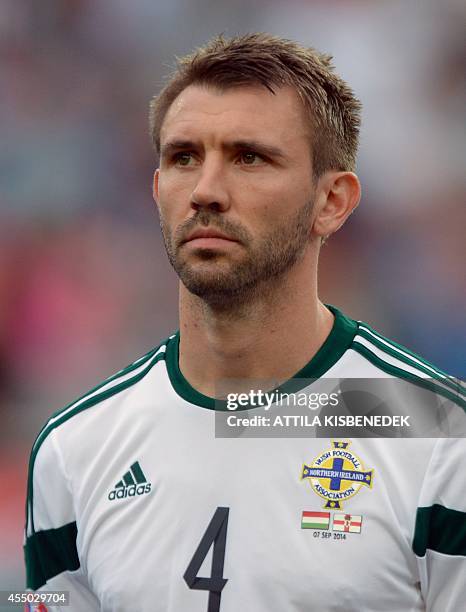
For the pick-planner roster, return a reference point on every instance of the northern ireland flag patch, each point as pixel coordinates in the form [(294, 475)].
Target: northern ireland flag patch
[(349, 523)]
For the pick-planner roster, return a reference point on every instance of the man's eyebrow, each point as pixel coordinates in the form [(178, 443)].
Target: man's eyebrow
[(256, 145), (175, 145)]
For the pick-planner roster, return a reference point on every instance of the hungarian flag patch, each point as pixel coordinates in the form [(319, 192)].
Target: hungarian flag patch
[(315, 520)]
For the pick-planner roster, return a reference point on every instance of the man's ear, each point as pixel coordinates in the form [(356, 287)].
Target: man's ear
[(337, 195), (155, 186)]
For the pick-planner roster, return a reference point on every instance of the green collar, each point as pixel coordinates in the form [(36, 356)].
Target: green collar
[(338, 341)]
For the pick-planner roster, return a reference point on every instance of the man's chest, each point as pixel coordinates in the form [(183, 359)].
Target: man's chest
[(288, 524)]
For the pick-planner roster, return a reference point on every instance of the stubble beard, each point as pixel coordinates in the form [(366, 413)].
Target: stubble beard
[(264, 262)]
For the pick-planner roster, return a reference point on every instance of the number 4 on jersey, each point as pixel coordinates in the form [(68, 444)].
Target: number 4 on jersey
[(216, 534)]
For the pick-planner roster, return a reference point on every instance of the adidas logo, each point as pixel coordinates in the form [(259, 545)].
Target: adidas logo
[(133, 483)]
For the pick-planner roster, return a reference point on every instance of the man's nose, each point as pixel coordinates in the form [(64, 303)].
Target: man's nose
[(211, 190)]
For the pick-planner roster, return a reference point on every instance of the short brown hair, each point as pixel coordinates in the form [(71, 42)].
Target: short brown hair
[(333, 110)]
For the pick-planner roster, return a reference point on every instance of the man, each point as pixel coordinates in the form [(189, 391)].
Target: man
[(133, 502)]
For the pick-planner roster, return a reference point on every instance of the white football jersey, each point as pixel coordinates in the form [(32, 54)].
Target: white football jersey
[(135, 504)]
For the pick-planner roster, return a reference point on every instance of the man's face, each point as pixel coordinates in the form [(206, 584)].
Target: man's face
[(236, 162)]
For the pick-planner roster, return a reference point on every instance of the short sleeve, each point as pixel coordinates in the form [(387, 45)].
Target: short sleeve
[(440, 530), (50, 549)]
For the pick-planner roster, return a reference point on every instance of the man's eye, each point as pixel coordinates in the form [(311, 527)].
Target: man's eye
[(249, 158), (183, 159)]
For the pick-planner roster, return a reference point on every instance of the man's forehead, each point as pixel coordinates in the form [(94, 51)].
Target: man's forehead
[(247, 110)]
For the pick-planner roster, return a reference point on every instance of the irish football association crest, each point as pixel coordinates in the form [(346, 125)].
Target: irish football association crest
[(337, 474)]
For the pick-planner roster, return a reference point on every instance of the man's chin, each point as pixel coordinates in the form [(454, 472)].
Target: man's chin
[(209, 275), (210, 290), (215, 290)]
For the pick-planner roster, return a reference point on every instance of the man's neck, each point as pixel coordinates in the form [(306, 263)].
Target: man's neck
[(268, 338)]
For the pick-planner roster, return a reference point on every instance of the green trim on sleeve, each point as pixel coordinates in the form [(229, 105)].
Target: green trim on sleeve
[(408, 353), (425, 383), (440, 529), (133, 366), (441, 378), (49, 553)]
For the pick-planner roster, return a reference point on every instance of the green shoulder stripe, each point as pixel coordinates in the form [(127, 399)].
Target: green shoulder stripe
[(404, 350), (67, 413), (417, 380), (440, 529), (49, 553), (127, 370), (401, 356)]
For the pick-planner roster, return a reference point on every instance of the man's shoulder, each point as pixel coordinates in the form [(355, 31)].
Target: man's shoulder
[(71, 435), (386, 357), (106, 391)]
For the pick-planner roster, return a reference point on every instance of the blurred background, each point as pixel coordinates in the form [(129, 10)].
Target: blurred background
[(85, 287)]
